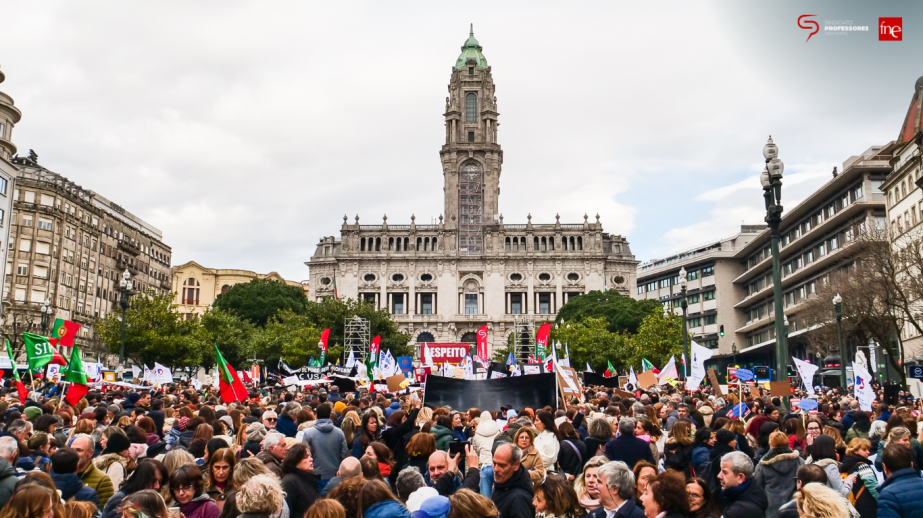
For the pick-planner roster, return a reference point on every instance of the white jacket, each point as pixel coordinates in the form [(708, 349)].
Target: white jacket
[(548, 446), (483, 440)]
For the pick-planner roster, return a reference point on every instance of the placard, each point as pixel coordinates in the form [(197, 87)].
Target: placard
[(623, 380), (531, 369), (713, 378), (647, 379), (109, 376), (452, 353), (394, 382), (568, 382), (780, 388), (290, 380), (497, 375), (623, 394)]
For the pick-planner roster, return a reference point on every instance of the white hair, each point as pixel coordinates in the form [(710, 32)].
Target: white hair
[(8, 447), (272, 439)]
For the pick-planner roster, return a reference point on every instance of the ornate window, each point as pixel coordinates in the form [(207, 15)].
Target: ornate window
[(471, 107), (191, 294), (225, 288), (425, 337)]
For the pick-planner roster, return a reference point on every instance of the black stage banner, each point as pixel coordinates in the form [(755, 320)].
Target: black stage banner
[(533, 391), (591, 379)]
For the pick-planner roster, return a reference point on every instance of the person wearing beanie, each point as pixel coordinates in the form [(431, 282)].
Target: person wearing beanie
[(434, 507), (339, 407), (255, 434), (131, 401), (725, 442), (32, 412), (115, 460)]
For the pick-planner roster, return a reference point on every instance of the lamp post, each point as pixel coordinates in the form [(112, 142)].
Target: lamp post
[(838, 308), (46, 312), (682, 290), (125, 285), (771, 179)]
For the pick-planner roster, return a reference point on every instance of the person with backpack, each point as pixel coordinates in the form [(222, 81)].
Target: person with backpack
[(864, 493), (677, 453)]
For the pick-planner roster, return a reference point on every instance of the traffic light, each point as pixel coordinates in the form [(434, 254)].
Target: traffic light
[(721, 330)]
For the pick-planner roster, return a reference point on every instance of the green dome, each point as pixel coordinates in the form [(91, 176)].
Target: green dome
[(471, 50)]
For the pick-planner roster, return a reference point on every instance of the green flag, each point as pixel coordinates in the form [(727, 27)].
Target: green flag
[(9, 352), (39, 350), (646, 365), (223, 371), (610, 371), (20, 387), (77, 376)]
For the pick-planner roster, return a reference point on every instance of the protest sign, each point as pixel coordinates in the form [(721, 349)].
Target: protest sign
[(713, 378), (518, 391), (647, 379)]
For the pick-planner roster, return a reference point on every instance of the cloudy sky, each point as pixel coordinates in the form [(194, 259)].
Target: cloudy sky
[(246, 130)]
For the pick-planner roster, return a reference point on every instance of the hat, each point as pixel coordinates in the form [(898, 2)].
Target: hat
[(322, 392), (32, 412), (117, 443), (436, 507), (339, 407), (156, 449), (181, 424), (416, 499), (226, 419), (725, 436), (256, 432), (133, 397), (219, 408)]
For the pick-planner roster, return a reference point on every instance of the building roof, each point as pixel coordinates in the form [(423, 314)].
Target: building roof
[(471, 50), (913, 122)]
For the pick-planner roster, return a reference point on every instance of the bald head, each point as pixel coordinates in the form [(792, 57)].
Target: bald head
[(350, 467), (438, 464)]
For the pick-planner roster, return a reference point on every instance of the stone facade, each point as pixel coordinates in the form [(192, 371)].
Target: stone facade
[(441, 282), (196, 287)]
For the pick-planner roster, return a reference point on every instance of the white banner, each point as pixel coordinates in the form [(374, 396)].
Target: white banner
[(806, 371), (699, 355), (863, 387), (163, 374)]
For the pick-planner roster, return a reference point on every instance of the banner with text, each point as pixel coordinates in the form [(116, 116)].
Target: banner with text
[(452, 353), (519, 392)]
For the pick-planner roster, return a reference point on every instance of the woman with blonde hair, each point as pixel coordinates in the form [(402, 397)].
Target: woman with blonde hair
[(260, 496), (326, 508), (465, 503), (819, 501), (40, 478), (146, 503), (677, 453), (586, 484), (775, 472), (32, 501), (531, 458)]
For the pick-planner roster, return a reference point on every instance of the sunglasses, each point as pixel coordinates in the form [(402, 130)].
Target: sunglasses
[(271, 419)]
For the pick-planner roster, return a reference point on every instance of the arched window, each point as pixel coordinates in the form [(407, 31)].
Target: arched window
[(391, 244), (362, 245), (471, 107), (469, 338), (425, 337), (378, 244), (419, 244), (579, 243), (508, 244), (191, 294), (225, 288)]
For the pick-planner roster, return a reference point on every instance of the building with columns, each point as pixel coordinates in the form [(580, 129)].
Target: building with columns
[(443, 281)]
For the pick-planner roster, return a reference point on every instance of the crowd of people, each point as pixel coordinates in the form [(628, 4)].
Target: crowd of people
[(177, 452)]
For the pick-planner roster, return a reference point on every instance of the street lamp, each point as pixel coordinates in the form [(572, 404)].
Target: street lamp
[(46, 312), (771, 179), (682, 290), (838, 307), (125, 285)]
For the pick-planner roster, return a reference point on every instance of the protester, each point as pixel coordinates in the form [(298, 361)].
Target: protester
[(64, 469), (666, 496), (274, 449), (115, 460), (188, 490), (902, 491), (260, 496), (775, 472), (677, 454), (531, 458), (587, 484), (865, 488), (377, 501), (547, 441), (701, 501), (555, 498), (33, 501), (220, 469), (513, 491), (146, 503), (301, 486), (150, 474), (91, 476), (742, 498), (616, 490)]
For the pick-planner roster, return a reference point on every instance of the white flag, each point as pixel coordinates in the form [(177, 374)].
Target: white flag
[(148, 374), (428, 355), (863, 387), (135, 371), (806, 371), (588, 368), (515, 370), (566, 360), (162, 374), (351, 361), (632, 378), (699, 355), (668, 372)]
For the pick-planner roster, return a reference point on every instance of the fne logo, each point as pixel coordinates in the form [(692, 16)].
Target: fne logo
[(890, 29)]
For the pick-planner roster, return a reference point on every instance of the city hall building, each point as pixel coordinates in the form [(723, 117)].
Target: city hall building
[(441, 282)]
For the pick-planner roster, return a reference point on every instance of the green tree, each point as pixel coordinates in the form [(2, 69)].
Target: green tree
[(260, 299), (288, 336), (591, 341), (623, 314), (332, 313), (658, 338), (233, 335), (154, 332)]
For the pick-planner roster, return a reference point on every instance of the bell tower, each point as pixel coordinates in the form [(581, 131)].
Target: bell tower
[(471, 157)]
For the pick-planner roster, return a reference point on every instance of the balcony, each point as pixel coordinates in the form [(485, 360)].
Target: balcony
[(129, 247)]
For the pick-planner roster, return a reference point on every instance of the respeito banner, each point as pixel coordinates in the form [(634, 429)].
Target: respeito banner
[(523, 391), (451, 353)]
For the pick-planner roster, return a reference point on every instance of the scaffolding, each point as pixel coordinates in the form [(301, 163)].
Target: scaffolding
[(470, 210), (356, 338), (523, 340)]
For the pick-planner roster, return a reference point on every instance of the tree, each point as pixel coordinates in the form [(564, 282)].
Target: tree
[(154, 332), (260, 299), (288, 336), (658, 338), (591, 341), (623, 314), (332, 313), (232, 334)]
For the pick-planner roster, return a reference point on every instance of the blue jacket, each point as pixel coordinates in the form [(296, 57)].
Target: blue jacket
[(393, 407), (700, 457), (286, 426), (901, 495), (629, 449), (387, 509), (70, 485)]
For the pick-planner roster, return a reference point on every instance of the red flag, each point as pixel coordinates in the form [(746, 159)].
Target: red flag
[(324, 336), (482, 343), (65, 331), (541, 340), (229, 384)]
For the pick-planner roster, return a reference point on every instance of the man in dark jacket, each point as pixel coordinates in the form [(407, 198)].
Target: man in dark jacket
[(512, 487), (628, 448), (616, 492), (9, 449), (286, 425), (742, 498), (157, 416), (327, 443), (64, 474), (902, 492), (273, 452)]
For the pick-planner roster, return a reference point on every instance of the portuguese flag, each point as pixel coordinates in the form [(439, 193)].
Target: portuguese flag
[(77, 376), (20, 387), (610, 371), (229, 384), (64, 332), (648, 366)]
